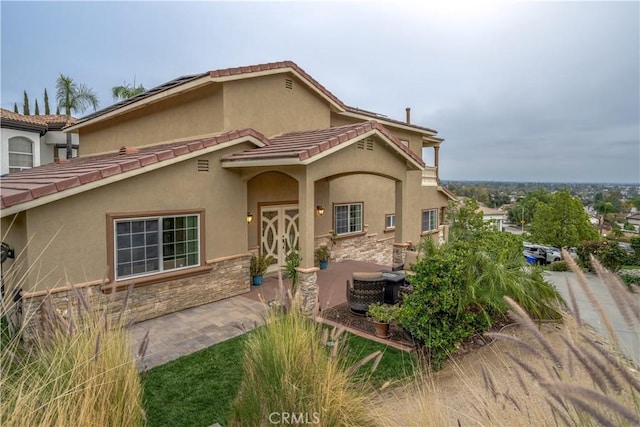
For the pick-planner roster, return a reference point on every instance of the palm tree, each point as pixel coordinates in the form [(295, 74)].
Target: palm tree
[(126, 91), (73, 97)]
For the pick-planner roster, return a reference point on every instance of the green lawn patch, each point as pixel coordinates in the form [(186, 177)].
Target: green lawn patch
[(197, 390), (396, 365)]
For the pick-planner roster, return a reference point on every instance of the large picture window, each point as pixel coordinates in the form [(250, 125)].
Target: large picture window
[(429, 220), (20, 154), (156, 244), (347, 218)]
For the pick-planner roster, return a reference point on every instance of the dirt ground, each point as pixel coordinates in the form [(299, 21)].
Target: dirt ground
[(505, 394)]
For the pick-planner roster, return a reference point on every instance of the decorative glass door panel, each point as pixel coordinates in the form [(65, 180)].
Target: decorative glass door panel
[(280, 231)]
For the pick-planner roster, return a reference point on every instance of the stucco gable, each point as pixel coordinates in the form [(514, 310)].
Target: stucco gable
[(237, 73)]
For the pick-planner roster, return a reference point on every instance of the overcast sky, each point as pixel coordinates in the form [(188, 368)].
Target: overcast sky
[(520, 91)]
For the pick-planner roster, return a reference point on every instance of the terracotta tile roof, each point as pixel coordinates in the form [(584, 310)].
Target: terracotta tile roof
[(306, 144), (39, 120), (31, 184), (58, 119), (20, 118)]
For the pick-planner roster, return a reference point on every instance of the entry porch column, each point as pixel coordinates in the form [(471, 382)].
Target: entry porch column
[(307, 272)]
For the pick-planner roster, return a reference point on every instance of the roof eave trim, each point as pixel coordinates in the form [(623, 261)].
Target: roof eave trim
[(10, 210), (27, 127), (194, 84), (278, 161), (389, 123)]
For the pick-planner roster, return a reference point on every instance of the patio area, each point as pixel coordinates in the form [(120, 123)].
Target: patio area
[(331, 283), (187, 331)]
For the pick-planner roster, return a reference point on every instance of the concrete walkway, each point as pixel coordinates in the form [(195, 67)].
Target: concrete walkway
[(179, 334), (628, 335)]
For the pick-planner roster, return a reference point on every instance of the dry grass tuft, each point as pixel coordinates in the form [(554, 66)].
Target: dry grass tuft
[(80, 372)]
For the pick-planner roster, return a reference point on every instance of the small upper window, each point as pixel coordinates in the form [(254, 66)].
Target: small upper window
[(404, 142), (20, 154), (429, 220), (390, 221)]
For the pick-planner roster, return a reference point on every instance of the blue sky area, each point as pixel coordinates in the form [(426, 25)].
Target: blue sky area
[(521, 91)]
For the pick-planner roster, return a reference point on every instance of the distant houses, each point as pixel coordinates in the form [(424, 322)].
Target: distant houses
[(30, 141)]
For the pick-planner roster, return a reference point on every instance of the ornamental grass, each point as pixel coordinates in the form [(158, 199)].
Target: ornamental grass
[(81, 371)]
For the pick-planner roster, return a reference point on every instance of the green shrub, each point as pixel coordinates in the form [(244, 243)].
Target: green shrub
[(459, 289), (431, 312), (631, 280), (610, 254), (559, 266)]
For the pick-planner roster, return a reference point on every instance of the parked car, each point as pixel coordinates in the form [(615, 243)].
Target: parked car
[(627, 247), (543, 254), (573, 252)]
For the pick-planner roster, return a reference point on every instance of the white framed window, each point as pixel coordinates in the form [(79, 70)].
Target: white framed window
[(390, 221), (429, 220), (20, 154), (347, 218), (150, 245)]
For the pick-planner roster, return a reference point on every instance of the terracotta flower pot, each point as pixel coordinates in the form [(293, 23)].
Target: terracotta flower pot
[(382, 329)]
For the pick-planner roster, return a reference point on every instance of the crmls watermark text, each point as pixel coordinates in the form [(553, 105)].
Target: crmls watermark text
[(294, 418)]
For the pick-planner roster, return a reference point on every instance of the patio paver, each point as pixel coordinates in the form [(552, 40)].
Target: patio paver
[(179, 334)]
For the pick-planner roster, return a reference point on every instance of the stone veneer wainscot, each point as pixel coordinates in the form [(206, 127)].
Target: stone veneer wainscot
[(229, 276)]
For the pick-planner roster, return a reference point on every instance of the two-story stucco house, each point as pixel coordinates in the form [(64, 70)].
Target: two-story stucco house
[(166, 182), (29, 141)]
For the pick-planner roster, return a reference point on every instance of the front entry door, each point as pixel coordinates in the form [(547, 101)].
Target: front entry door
[(280, 231)]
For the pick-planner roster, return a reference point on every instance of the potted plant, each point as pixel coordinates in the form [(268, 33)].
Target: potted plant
[(258, 266), (291, 263), (382, 315), (322, 256)]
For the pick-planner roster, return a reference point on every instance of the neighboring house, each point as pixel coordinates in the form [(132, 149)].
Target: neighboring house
[(30, 141), (494, 216), (634, 220), (175, 189)]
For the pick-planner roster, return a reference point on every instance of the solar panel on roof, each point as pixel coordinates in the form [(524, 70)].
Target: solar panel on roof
[(165, 86)]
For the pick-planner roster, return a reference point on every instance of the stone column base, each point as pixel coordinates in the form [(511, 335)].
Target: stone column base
[(307, 290), (399, 252)]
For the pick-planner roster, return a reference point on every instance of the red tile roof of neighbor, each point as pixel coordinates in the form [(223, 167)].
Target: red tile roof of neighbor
[(245, 72), (31, 184), (306, 144), (40, 120)]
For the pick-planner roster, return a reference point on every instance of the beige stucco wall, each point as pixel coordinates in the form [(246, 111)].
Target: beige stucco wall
[(13, 231), (266, 105), (78, 253), (193, 113), (376, 192)]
